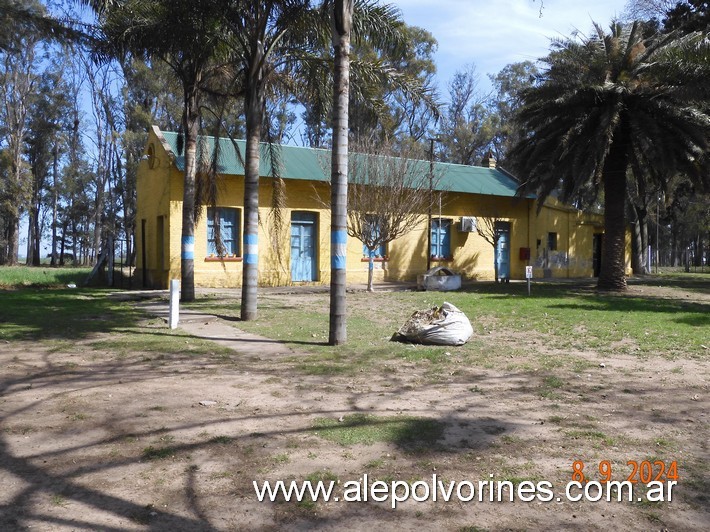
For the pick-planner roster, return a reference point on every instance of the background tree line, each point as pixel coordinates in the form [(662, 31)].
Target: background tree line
[(72, 129)]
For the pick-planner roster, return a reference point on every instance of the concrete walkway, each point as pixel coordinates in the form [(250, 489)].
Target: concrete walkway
[(219, 330)]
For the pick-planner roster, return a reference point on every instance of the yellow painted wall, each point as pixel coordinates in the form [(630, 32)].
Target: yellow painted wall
[(160, 193), (153, 201), (575, 234)]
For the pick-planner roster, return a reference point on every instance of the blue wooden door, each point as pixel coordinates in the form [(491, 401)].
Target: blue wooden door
[(303, 249), (503, 251)]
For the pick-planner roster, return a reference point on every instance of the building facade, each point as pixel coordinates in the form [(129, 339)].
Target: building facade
[(294, 239)]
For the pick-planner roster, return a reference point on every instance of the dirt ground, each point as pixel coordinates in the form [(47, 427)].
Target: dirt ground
[(106, 441)]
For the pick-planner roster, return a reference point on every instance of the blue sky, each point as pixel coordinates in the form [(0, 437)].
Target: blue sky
[(494, 33)]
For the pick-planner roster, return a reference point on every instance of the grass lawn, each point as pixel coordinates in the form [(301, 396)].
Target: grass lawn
[(558, 318), (41, 276), (109, 420)]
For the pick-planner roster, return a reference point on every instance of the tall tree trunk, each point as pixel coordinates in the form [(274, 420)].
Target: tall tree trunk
[(13, 240), (55, 202), (644, 243), (62, 243), (254, 110), (29, 253), (342, 20), (36, 236), (612, 275), (187, 244), (639, 240)]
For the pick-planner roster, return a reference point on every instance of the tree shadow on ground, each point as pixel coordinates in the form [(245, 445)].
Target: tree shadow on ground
[(694, 314), (63, 470)]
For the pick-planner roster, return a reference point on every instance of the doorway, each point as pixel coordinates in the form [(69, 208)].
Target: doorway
[(502, 229), (303, 249)]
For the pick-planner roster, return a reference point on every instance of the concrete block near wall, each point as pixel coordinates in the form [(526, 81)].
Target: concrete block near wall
[(439, 278)]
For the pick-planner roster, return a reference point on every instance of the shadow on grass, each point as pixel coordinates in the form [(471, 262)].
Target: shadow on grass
[(693, 314), (699, 283), (36, 314)]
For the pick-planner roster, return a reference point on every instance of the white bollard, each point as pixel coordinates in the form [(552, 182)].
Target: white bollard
[(174, 303)]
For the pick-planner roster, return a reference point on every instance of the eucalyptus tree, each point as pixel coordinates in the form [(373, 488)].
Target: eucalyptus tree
[(20, 59), (378, 102), (691, 15), (45, 135), (648, 9), (612, 101), (467, 126), (508, 84), (187, 36)]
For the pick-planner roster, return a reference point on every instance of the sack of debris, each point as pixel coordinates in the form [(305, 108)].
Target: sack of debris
[(444, 325)]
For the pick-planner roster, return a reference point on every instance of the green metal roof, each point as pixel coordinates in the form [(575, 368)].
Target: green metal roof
[(313, 164)]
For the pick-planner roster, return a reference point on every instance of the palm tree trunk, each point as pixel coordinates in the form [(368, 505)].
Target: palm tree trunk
[(254, 117), (342, 18), (187, 246), (612, 275)]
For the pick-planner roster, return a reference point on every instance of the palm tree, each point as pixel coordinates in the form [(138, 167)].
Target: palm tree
[(187, 36), (609, 102), (342, 23), (264, 37), (32, 16), (270, 43), (384, 30)]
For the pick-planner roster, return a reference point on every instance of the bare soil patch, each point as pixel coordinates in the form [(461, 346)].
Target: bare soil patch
[(98, 439)]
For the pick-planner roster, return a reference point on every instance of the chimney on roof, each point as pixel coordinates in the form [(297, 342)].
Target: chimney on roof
[(488, 160)]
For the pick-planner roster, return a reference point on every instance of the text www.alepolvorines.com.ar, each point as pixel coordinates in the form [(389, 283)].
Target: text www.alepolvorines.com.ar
[(398, 491)]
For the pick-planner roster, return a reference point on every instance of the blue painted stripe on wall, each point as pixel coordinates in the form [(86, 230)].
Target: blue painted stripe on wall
[(250, 258), (337, 262), (339, 237), (251, 239)]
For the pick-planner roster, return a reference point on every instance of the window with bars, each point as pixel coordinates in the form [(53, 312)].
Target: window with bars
[(381, 251)]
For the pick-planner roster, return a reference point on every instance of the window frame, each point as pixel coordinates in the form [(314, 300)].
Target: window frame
[(381, 254), (211, 251), (552, 237)]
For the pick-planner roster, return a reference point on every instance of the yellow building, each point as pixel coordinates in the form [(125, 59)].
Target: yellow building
[(558, 242)]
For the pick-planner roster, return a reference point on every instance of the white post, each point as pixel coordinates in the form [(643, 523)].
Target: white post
[(174, 303), (528, 276)]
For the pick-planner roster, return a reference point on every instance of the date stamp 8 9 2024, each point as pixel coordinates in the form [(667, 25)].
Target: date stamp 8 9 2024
[(644, 472)]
